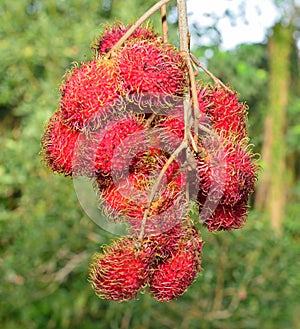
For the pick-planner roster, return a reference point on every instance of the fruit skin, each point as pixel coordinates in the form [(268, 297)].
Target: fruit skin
[(226, 168), (221, 216), (149, 67), (167, 242), (173, 275), (127, 199), (226, 113), (227, 171), (88, 90), (113, 33), (58, 145), (99, 149), (121, 270), (226, 181)]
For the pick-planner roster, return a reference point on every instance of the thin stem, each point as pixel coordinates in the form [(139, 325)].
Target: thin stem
[(184, 38), (194, 139), (155, 186), (197, 114), (211, 75), (164, 23), (208, 131), (139, 22), (150, 120), (183, 30), (184, 35)]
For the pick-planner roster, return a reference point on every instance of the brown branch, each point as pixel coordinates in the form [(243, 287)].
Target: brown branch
[(164, 23), (183, 29), (194, 140), (155, 186), (139, 22), (211, 75), (209, 131), (70, 266), (184, 35), (197, 114)]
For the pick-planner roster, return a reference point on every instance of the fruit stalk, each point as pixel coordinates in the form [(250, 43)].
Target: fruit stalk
[(138, 23), (164, 23)]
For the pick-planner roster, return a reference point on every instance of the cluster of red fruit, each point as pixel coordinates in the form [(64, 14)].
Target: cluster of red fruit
[(109, 108), (167, 263)]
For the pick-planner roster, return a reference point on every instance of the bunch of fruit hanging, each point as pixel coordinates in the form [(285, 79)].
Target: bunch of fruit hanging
[(155, 142)]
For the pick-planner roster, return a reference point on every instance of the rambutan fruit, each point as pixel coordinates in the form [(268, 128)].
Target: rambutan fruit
[(127, 200), (121, 270), (173, 125), (228, 172), (162, 217), (227, 114), (154, 105), (113, 33), (167, 242), (225, 216), (87, 90), (99, 149), (172, 276), (149, 67), (58, 145)]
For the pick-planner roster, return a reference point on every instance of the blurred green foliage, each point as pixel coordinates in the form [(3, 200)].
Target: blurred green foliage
[(251, 277), (245, 70)]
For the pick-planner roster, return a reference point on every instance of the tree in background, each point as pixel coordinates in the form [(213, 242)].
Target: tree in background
[(273, 190), (272, 193)]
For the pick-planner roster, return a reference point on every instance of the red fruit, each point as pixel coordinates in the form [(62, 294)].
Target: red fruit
[(100, 152), (204, 98), (88, 90), (227, 171), (228, 115), (128, 200), (164, 214), (112, 34), (173, 125), (120, 271), (167, 242), (58, 144), (171, 277), (225, 217), (148, 67)]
